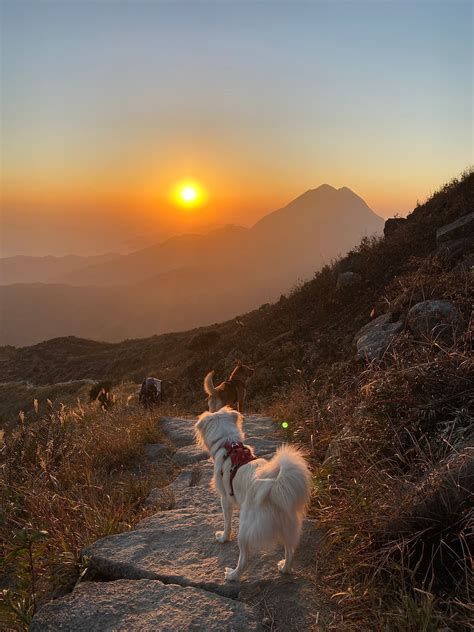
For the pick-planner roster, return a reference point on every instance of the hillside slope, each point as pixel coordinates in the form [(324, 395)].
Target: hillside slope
[(389, 439), (311, 327)]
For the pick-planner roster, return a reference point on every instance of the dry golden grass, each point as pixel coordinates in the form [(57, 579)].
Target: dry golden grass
[(397, 492), (68, 478)]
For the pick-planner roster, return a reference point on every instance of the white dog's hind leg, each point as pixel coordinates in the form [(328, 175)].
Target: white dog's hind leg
[(284, 566), (227, 510), (233, 574)]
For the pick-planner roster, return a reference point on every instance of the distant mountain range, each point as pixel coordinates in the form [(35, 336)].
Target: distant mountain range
[(184, 282)]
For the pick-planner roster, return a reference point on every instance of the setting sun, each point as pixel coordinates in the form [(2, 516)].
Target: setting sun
[(188, 195)]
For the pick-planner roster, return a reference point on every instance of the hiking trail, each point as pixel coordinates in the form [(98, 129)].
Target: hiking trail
[(167, 574)]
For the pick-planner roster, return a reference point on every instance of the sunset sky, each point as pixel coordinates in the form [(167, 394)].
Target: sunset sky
[(108, 106)]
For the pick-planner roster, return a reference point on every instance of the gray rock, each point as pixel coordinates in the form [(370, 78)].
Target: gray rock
[(392, 224), (453, 248), (189, 454), (179, 431), (179, 547), (129, 606), (463, 227), (348, 279), (155, 451), (171, 496), (433, 318), (373, 339), (263, 447), (258, 426), (199, 498)]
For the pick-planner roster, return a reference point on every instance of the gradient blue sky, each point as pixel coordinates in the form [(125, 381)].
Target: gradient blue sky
[(106, 105)]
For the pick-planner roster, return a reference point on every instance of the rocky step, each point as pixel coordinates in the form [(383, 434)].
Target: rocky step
[(145, 605), (191, 489), (179, 547)]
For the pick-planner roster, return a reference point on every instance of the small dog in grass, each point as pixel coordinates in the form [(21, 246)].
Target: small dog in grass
[(231, 392), (272, 495)]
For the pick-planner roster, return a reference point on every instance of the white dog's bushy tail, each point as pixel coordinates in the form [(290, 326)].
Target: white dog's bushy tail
[(209, 384), (285, 480)]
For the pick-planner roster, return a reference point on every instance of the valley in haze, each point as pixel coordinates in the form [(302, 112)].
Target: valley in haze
[(184, 282)]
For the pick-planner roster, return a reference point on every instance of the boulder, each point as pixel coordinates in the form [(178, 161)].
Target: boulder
[(348, 279), (433, 318), (144, 605), (392, 224), (373, 339), (462, 227)]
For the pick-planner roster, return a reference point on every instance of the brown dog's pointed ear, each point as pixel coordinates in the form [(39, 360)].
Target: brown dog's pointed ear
[(239, 362)]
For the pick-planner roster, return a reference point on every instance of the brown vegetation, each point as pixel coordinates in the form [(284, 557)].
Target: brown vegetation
[(69, 477)]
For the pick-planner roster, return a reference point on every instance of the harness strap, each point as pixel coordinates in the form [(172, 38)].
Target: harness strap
[(239, 454)]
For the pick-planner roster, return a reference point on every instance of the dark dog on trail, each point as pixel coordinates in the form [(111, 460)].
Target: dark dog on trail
[(151, 392), (231, 392)]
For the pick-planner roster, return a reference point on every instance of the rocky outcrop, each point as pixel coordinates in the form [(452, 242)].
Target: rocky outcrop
[(373, 339), (392, 224), (434, 318), (461, 228), (168, 573)]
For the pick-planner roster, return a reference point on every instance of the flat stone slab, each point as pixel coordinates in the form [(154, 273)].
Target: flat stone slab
[(192, 476), (200, 498), (179, 547), (189, 454), (129, 606), (258, 426), (178, 431), (262, 447)]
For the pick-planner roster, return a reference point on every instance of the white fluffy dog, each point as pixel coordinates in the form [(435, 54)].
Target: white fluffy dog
[(272, 495)]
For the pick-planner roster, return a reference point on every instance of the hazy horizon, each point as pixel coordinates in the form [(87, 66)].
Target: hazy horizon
[(108, 106)]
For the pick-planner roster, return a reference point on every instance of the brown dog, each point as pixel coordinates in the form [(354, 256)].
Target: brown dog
[(229, 393)]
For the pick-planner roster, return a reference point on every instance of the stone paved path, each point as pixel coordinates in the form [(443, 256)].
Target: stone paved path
[(168, 573)]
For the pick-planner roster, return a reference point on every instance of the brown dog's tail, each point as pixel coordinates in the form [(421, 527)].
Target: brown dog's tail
[(209, 384)]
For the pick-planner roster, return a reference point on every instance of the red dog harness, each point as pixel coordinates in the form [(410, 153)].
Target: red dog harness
[(240, 454)]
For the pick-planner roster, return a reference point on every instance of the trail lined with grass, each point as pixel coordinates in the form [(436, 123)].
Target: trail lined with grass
[(168, 572)]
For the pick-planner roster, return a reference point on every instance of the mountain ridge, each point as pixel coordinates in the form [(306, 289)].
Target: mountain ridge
[(191, 280)]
